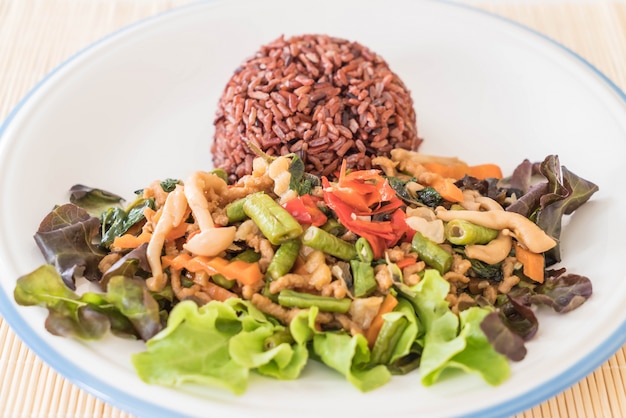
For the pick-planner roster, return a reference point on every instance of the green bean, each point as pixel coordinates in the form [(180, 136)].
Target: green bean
[(186, 282), (221, 173), (363, 278), (334, 227), (292, 299), (321, 240), (276, 224), (278, 338), (283, 259), (266, 292), (388, 336), (462, 232), (222, 281), (249, 256), (235, 212), (364, 250), (431, 253)]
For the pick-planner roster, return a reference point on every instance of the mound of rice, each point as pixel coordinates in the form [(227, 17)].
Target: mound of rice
[(323, 98)]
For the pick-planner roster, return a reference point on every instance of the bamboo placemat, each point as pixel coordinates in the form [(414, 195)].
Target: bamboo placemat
[(37, 35)]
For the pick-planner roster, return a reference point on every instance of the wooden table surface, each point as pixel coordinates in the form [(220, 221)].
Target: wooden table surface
[(596, 30)]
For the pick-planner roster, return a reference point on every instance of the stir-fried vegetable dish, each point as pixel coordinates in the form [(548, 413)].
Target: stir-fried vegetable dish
[(422, 263)]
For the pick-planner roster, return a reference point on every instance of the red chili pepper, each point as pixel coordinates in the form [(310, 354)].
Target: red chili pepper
[(305, 211), (398, 222), (365, 193), (377, 243), (362, 189)]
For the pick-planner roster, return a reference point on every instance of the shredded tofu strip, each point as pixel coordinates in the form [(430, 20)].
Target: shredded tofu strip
[(210, 241), (523, 229), (172, 215), (278, 171), (493, 252), (401, 155)]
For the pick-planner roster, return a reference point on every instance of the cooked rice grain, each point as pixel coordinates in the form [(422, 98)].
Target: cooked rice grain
[(322, 98)]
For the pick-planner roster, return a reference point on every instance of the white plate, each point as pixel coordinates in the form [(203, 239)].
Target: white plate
[(139, 105)]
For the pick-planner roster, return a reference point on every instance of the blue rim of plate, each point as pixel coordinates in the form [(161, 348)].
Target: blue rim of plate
[(139, 407)]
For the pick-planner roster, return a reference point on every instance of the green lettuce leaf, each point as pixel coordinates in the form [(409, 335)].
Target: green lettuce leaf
[(218, 344), (450, 341), (408, 339), (348, 355), (68, 315), (250, 348), (194, 348), (284, 362), (127, 308), (479, 356), (398, 344)]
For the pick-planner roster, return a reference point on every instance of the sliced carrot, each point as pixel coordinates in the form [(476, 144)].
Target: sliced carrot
[(177, 262), (148, 212), (388, 305), (245, 273), (166, 261), (242, 271), (458, 171), (485, 171), (455, 171), (534, 264), (127, 241), (201, 263), (447, 190), (152, 215), (177, 232)]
